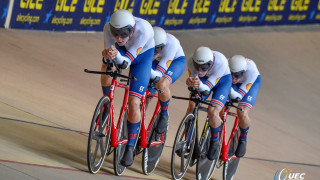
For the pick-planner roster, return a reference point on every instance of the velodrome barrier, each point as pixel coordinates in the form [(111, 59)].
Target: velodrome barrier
[(91, 15)]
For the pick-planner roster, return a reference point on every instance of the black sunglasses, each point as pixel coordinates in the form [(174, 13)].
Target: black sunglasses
[(157, 49), (123, 33), (202, 67), (237, 75)]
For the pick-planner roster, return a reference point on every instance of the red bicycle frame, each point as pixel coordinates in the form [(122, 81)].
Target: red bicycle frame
[(115, 128), (225, 147), (144, 133)]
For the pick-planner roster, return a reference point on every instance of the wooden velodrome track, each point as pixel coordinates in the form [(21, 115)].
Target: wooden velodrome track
[(47, 101)]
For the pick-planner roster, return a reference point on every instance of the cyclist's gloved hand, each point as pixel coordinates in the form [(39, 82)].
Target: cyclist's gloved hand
[(123, 65), (108, 63), (236, 100), (205, 93), (194, 92), (156, 79)]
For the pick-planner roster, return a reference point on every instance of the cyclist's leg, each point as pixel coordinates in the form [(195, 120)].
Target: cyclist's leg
[(149, 98), (219, 98), (173, 73), (246, 104), (140, 69)]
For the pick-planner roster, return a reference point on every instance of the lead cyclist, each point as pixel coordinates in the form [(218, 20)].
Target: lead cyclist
[(246, 83), (128, 40)]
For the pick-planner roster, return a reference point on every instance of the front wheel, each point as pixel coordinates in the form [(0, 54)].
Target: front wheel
[(205, 167), (151, 154), (183, 147), (231, 165), (119, 150), (99, 135)]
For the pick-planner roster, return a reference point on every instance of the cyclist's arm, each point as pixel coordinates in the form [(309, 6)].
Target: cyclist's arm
[(168, 54), (234, 94), (215, 73), (155, 73), (250, 78), (120, 59)]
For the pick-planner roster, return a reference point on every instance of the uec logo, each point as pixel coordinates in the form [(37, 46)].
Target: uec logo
[(285, 174)]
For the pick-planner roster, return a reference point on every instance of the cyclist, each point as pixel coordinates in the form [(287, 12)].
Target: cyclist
[(246, 83), (168, 64), (128, 41), (209, 71)]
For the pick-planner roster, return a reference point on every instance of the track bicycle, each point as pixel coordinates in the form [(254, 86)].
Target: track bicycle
[(188, 149), (227, 159), (106, 137)]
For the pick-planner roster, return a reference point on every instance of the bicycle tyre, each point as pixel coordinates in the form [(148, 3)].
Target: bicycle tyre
[(97, 140), (180, 147), (152, 154), (231, 165), (205, 167), (119, 150)]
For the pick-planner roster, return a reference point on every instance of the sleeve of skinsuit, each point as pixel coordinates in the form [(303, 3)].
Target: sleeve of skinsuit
[(168, 52), (218, 69), (155, 73), (250, 77), (137, 44), (234, 94)]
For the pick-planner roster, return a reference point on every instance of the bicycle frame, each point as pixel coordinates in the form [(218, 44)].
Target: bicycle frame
[(144, 132), (225, 146), (115, 128)]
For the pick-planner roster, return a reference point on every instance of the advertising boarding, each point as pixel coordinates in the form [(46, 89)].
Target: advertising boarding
[(91, 15)]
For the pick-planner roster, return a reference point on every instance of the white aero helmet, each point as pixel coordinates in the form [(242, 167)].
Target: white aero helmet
[(160, 36), (122, 23), (122, 19), (237, 63), (202, 58)]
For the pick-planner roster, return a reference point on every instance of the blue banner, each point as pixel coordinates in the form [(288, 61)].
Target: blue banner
[(4, 4), (91, 15)]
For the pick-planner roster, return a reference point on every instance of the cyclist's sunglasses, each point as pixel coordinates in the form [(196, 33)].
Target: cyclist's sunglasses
[(123, 32), (158, 48), (237, 75), (202, 67)]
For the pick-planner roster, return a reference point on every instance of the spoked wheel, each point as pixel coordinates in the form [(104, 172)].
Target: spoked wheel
[(205, 167), (231, 165), (183, 147), (99, 135), (151, 154), (122, 142)]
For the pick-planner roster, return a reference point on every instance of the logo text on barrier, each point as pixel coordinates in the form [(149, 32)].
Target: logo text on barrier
[(227, 6), (201, 6), (123, 4), (299, 5), (175, 7), (31, 4), (149, 7), (250, 5), (276, 5), (93, 6), (66, 6)]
